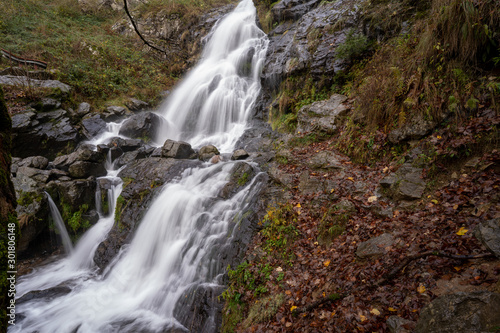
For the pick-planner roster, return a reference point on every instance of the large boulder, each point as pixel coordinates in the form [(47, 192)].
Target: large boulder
[(461, 312), (43, 133), (177, 149), (375, 247), (405, 184), (142, 125), (322, 116), (93, 126), (82, 163), (207, 152), (24, 81)]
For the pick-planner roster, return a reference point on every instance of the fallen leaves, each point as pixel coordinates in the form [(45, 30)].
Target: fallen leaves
[(462, 231)]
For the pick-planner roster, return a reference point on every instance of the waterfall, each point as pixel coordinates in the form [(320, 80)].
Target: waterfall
[(176, 245), (56, 216)]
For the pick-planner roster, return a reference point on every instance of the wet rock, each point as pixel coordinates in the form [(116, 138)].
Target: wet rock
[(144, 179), (216, 159), (239, 154), (325, 160), (47, 294), (135, 105), (291, 9), (375, 247), (322, 116), (125, 144), (73, 193), (129, 157), (199, 308), (24, 81), (240, 175), (461, 312), (84, 169), (144, 125), (93, 126), (32, 215), (44, 133), (177, 149), (207, 152), (488, 233), (85, 153), (404, 184), (400, 325)]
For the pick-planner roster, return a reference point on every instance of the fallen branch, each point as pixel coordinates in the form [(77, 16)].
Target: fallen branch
[(410, 258), (23, 61), (125, 6)]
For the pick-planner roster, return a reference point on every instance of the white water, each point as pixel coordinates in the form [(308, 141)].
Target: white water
[(56, 216), (176, 245)]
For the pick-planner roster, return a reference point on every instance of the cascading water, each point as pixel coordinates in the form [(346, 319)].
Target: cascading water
[(56, 216), (176, 245)]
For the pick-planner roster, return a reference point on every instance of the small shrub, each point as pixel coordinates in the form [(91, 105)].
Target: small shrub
[(354, 45)]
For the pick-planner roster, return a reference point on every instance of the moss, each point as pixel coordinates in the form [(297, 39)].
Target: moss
[(332, 225), (27, 198), (264, 309), (243, 179)]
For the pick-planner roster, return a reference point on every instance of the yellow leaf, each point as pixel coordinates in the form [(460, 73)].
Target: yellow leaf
[(435, 201), (292, 308), (350, 178), (462, 231), (333, 190), (375, 312), (457, 269), (363, 318), (326, 263), (455, 207), (392, 309), (298, 212), (372, 198), (421, 289), (298, 205)]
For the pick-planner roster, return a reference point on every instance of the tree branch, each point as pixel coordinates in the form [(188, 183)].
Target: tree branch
[(125, 6)]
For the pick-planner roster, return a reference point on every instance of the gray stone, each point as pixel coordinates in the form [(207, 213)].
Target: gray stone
[(375, 247), (322, 116), (416, 129), (177, 149), (46, 104), (144, 125), (239, 154), (37, 162), (488, 232), (83, 109), (240, 175), (114, 113), (279, 176), (136, 105), (93, 126), (325, 160), (405, 184), (461, 312), (129, 157), (83, 154), (400, 325), (84, 169), (23, 81), (207, 152), (309, 185), (125, 144)]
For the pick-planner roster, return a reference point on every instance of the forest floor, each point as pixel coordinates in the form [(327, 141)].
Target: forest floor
[(302, 273)]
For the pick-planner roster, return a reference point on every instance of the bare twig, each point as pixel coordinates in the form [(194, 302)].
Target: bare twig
[(125, 6)]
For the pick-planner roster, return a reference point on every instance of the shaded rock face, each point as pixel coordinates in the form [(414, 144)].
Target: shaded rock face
[(43, 133), (240, 175), (144, 178), (416, 129), (177, 149), (82, 163), (461, 312), (322, 116), (93, 126)]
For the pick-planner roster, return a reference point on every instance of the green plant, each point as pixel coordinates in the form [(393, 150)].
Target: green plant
[(243, 179), (354, 45)]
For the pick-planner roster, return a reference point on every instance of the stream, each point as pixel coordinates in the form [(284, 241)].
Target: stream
[(176, 247)]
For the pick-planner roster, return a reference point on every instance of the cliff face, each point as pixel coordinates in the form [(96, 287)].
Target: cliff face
[(7, 203)]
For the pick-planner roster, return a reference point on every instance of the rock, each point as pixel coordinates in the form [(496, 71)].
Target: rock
[(45, 133), (291, 9), (461, 312), (239, 154), (136, 105), (114, 113), (400, 325), (73, 193), (488, 233), (129, 157), (32, 215), (280, 177), (322, 116), (83, 154), (416, 129), (46, 104), (347, 206), (325, 160), (83, 109), (93, 126), (199, 307), (177, 149), (240, 174), (405, 184), (37, 162), (144, 179), (84, 169), (144, 125), (207, 152), (309, 185), (47, 294), (375, 247), (24, 81), (125, 144), (216, 159)]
